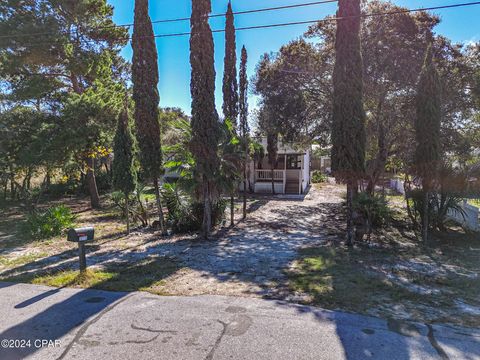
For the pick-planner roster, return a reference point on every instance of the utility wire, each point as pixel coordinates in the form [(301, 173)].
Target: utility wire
[(188, 19), (395, 12)]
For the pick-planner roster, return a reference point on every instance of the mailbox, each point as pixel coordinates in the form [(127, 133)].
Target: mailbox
[(82, 235)]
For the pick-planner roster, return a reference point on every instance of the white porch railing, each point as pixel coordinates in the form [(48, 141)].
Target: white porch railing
[(267, 175)]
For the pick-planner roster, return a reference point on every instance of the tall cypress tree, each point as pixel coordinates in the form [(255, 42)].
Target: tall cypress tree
[(145, 94), (348, 130), (205, 126), (230, 86), (243, 126), (124, 173), (272, 150), (427, 131)]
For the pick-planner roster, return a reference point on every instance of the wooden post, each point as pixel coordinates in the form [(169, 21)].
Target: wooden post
[(81, 257)]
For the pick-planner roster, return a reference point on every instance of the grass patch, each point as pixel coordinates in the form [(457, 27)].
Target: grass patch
[(21, 260), (147, 275), (335, 278)]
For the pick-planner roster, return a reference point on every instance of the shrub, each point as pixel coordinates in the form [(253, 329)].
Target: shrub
[(439, 204), (136, 207), (49, 223), (318, 177), (373, 208), (184, 214)]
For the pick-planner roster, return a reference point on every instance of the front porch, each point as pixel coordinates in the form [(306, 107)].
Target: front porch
[(286, 181), (290, 174), (289, 180)]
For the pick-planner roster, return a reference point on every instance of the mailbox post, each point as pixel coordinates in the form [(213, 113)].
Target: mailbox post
[(81, 236)]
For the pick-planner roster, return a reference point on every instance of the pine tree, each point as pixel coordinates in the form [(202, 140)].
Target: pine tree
[(57, 53), (205, 125), (427, 131), (146, 97), (124, 173), (348, 130), (244, 128), (230, 86)]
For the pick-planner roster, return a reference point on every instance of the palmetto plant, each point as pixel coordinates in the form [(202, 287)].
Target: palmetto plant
[(180, 160)]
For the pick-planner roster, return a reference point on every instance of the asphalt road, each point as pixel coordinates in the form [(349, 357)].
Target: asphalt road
[(38, 322)]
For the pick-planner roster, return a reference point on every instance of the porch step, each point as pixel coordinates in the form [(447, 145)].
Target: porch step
[(291, 187)]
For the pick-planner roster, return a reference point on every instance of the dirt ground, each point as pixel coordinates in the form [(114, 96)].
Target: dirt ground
[(258, 256)]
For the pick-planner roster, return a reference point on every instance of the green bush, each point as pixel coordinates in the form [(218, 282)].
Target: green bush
[(439, 204), (186, 215), (46, 224), (318, 177), (373, 208)]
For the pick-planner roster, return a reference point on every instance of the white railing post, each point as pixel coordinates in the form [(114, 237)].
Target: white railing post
[(300, 182)]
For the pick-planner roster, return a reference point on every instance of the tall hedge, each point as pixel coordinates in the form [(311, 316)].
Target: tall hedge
[(145, 94), (230, 85), (205, 126), (124, 172), (243, 125), (427, 130), (348, 130)]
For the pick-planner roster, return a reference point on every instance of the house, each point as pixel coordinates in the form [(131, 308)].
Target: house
[(291, 173)]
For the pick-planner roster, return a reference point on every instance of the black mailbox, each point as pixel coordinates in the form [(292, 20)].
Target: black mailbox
[(81, 235)]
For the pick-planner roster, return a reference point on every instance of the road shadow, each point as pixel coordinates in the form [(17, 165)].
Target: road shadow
[(75, 312)]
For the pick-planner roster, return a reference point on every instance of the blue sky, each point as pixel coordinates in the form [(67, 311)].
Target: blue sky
[(459, 24)]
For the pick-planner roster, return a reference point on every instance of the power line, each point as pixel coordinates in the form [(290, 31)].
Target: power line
[(254, 27), (276, 8), (395, 12)]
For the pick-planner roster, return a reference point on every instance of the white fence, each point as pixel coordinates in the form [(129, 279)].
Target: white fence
[(468, 219)]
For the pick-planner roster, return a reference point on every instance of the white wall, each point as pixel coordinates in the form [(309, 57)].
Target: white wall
[(266, 188), (397, 185)]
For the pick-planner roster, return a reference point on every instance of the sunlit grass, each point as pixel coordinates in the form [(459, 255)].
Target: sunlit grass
[(9, 261), (148, 275)]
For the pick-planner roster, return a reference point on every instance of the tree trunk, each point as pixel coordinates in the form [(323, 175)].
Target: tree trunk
[(350, 225), (207, 211), (92, 184), (127, 211), (425, 216), (12, 186), (380, 161), (273, 180), (245, 190), (161, 220), (232, 211)]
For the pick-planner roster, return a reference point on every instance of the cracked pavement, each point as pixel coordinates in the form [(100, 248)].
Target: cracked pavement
[(93, 324)]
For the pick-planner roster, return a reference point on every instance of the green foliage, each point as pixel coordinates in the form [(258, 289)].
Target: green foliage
[(46, 224), (348, 127), (439, 204), (373, 208), (145, 92), (124, 172), (427, 122), (318, 177), (243, 95), (136, 208), (230, 85), (205, 132), (184, 213)]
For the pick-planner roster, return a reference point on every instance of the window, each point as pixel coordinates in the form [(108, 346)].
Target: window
[(294, 162)]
